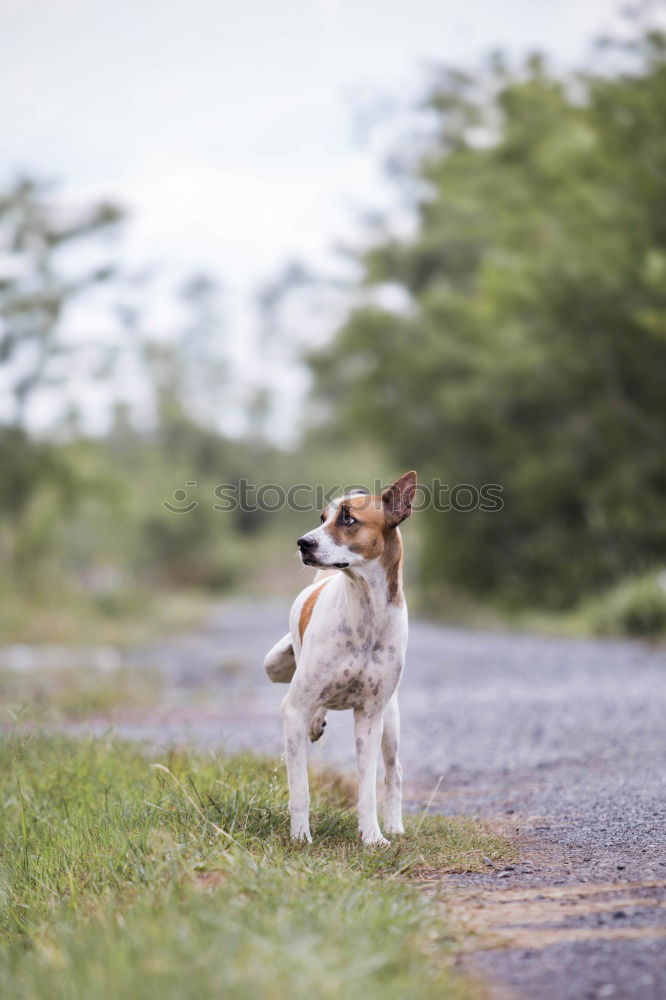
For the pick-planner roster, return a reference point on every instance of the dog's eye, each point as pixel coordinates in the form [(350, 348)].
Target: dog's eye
[(322, 518), (347, 519)]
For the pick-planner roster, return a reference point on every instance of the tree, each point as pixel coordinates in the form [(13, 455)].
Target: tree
[(532, 350), (36, 288)]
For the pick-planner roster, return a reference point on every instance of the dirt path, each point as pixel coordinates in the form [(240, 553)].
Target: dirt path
[(561, 742)]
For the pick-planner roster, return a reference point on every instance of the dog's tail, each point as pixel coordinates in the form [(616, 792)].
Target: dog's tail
[(280, 662)]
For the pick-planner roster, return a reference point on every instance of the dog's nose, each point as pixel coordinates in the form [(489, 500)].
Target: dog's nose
[(306, 543)]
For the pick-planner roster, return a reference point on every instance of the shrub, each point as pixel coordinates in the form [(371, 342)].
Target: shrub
[(635, 607)]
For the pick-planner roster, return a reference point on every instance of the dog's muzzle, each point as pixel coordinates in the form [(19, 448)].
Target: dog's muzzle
[(308, 548)]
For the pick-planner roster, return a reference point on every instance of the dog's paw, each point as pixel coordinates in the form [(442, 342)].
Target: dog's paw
[(301, 835), (317, 725), (396, 828), (374, 839)]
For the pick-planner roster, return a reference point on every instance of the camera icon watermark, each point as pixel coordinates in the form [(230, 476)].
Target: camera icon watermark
[(182, 505)]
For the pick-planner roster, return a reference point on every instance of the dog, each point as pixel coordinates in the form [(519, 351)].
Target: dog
[(345, 649)]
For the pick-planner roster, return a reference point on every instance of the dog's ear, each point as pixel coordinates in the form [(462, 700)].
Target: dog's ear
[(397, 499)]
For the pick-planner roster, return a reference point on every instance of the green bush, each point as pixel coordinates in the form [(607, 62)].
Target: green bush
[(529, 343), (635, 607)]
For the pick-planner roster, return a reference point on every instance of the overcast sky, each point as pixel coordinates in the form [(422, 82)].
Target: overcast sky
[(225, 128)]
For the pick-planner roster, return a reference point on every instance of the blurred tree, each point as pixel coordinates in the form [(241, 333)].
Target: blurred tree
[(35, 291), (530, 349), (203, 349)]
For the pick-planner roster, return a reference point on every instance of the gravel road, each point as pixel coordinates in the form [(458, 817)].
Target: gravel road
[(560, 742)]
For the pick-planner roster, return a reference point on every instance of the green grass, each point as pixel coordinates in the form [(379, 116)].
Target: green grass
[(61, 692), (125, 879), (132, 616)]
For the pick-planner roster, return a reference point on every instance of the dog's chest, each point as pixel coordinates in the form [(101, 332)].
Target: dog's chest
[(363, 663)]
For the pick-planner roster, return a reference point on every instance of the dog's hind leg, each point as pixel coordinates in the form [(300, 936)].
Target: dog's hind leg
[(280, 662), (317, 725), (393, 780), (368, 732)]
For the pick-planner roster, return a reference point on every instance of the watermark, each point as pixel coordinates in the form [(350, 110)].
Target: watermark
[(306, 498)]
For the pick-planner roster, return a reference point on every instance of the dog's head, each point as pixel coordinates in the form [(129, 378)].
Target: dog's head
[(356, 527)]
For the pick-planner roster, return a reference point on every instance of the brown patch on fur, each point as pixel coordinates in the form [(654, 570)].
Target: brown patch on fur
[(365, 535), (391, 560), (374, 533), (308, 608), (372, 536), (398, 498)]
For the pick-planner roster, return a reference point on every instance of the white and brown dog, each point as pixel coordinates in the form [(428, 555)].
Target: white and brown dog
[(346, 649)]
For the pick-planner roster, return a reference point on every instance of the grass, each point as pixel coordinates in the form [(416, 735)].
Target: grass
[(174, 879), (63, 692), (133, 616)]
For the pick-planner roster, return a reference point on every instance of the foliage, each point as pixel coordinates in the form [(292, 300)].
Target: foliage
[(37, 286), (634, 607), (38, 283), (84, 513), (531, 348), (179, 880)]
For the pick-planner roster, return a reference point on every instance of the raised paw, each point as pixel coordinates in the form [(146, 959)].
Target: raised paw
[(317, 725)]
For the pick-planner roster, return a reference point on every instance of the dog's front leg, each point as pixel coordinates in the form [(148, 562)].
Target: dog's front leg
[(295, 732), (368, 732)]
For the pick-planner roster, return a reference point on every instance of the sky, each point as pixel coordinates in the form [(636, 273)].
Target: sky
[(227, 129)]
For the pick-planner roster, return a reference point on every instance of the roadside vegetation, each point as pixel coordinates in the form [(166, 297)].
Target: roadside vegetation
[(521, 343), (527, 346), (70, 616), (635, 607), (173, 876)]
